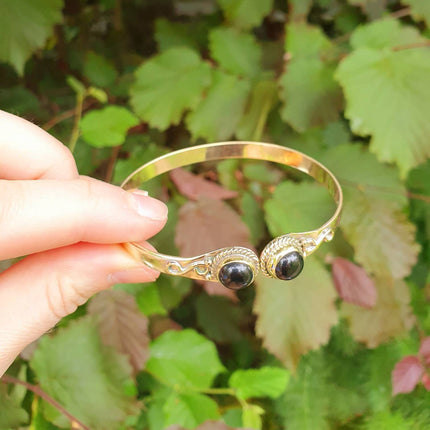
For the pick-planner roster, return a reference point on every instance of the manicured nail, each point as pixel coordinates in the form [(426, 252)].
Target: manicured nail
[(149, 207)]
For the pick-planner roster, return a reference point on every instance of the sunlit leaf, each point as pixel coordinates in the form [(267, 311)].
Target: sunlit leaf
[(400, 80), (25, 27), (87, 378), (310, 94), (189, 410), (107, 126), (263, 382), (391, 316), (237, 53), (184, 358), (12, 415), (296, 316), (263, 98), (292, 208), (216, 117), (122, 325), (299, 9), (169, 84)]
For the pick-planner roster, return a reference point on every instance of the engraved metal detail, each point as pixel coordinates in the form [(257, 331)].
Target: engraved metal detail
[(236, 253)]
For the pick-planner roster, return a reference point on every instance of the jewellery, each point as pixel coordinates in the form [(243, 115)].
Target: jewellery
[(236, 267)]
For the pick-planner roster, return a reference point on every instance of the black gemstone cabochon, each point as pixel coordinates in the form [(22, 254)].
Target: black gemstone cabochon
[(236, 275), (289, 266)]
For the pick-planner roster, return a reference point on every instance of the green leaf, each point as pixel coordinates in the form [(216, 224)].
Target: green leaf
[(246, 13), (387, 33), (263, 98), (169, 84), (372, 218), (253, 217), (299, 9), (107, 126), (19, 101), (25, 27), (391, 316), (305, 404), (373, 8), (388, 420), (306, 41), (298, 318), (310, 94), (263, 382), (251, 417), (99, 71), (149, 300), (236, 52), (217, 116), (382, 236), (184, 358), (377, 180), (11, 413), (397, 119), (292, 208), (209, 309), (420, 10), (173, 34), (73, 362), (189, 410)]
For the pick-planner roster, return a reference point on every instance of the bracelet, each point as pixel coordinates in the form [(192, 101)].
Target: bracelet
[(236, 267)]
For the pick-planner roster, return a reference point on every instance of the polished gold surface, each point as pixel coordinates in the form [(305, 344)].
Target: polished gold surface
[(206, 266)]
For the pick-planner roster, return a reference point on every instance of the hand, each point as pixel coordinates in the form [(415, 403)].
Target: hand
[(72, 227)]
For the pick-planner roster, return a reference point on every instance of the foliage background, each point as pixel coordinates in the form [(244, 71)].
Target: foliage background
[(345, 345)]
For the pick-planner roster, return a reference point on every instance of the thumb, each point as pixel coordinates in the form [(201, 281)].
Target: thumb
[(42, 288)]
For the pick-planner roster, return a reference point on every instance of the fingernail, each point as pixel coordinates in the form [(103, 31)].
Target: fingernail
[(149, 207), (133, 276)]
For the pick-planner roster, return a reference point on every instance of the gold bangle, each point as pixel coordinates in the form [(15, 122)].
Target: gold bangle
[(236, 267)]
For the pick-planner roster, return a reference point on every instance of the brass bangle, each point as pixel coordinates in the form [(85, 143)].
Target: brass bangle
[(236, 267)]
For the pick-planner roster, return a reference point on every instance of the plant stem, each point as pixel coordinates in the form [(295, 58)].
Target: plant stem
[(78, 115), (219, 391), (7, 379)]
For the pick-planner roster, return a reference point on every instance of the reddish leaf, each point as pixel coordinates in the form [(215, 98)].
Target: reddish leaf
[(353, 283), (122, 325), (194, 187), (425, 350), (207, 225), (406, 374), (426, 381)]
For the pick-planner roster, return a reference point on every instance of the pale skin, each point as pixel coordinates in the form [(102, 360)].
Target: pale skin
[(69, 228)]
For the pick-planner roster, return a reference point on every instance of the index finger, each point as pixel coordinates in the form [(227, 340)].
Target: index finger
[(28, 152)]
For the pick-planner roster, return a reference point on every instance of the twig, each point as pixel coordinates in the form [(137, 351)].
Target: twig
[(111, 164), (78, 115), (412, 46), (401, 13), (66, 115), (7, 379)]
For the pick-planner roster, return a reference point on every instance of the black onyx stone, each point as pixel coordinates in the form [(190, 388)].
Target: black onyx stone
[(289, 266), (235, 275)]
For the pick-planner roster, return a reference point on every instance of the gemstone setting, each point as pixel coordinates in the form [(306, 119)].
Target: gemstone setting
[(289, 266), (236, 275)]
